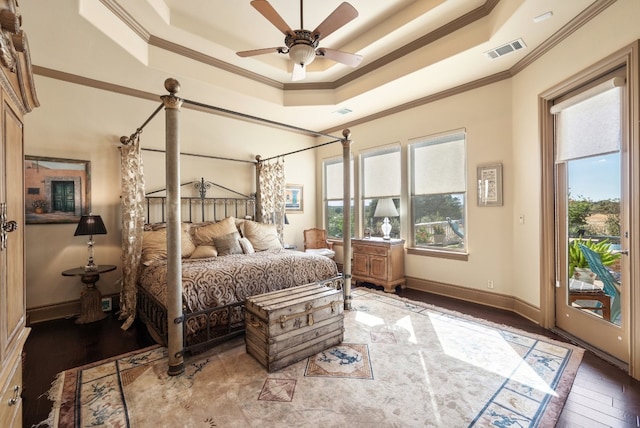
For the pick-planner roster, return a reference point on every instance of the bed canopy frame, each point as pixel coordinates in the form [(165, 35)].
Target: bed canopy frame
[(172, 106)]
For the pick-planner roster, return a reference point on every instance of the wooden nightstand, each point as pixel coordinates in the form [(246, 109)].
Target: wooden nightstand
[(91, 298), (379, 262)]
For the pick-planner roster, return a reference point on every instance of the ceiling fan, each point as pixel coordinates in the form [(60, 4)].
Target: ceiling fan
[(302, 45)]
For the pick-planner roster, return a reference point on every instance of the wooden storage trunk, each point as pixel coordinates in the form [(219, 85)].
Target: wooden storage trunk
[(286, 326)]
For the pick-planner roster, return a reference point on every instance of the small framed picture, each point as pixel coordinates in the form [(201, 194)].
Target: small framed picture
[(490, 185), (293, 198), (106, 304)]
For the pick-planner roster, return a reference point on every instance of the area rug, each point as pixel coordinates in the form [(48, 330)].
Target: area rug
[(401, 364)]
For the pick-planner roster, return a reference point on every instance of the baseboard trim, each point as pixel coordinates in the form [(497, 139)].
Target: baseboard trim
[(494, 300), (62, 310)]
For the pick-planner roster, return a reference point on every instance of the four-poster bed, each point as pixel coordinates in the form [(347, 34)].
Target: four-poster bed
[(179, 313), (216, 277)]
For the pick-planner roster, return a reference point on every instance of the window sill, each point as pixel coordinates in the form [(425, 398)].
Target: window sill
[(428, 252)]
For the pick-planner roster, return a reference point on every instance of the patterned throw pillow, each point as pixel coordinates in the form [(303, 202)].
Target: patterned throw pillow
[(228, 244)]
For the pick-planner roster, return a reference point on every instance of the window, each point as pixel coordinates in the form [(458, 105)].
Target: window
[(380, 180), (334, 198), (439, 192)]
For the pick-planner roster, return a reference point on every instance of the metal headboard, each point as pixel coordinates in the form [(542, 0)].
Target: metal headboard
[(201, 208)]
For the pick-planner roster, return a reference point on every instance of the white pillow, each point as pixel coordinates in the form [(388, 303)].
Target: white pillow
[(246, 246)]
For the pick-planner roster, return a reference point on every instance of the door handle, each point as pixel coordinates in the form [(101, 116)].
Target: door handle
[(625, 252)]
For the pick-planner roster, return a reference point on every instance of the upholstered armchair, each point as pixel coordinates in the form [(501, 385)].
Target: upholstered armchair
[(315, 241)]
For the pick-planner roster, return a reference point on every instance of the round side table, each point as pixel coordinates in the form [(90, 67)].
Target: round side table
[(90, 298)]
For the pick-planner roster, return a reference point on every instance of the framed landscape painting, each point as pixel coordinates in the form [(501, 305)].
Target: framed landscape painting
[(56, 190)]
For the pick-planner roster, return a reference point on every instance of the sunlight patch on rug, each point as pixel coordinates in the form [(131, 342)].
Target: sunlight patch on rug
[(432, 368)]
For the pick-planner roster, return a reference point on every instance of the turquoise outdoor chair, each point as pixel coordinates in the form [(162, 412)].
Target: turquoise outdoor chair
[(611, 286), (455, 227)]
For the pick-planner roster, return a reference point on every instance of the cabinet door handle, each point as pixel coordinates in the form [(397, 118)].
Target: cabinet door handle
[(5, 226), (16, 396)]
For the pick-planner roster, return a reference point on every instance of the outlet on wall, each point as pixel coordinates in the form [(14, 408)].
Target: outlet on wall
[(489, 283)]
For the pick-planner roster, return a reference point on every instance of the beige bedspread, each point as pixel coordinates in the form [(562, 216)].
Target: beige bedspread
[(219, 281)]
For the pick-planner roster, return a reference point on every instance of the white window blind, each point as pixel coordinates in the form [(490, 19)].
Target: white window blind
[(381, 173), (590, 123), (334, 186), (438, 165)]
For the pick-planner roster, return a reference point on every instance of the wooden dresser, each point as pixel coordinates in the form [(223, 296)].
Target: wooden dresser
[(17, 97), (379, 262)]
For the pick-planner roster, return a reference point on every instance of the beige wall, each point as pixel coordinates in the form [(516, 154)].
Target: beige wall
[(501, 121), (613, 29), (485, 114), (78, 122)]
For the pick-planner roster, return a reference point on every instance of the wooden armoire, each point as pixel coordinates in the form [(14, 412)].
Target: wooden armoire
[(17, 97)]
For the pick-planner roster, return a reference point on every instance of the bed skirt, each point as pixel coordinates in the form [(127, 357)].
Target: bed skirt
[(216, 324)]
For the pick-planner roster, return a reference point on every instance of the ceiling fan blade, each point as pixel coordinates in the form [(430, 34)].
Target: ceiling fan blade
[(339, 17), (265, 8), (254, 52), (346, 58), (298, 73)]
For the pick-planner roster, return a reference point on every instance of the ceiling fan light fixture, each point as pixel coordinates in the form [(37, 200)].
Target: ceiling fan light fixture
[(302, 54), (301, 44)]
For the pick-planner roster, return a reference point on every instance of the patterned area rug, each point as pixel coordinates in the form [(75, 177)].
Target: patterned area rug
[(402, 363)]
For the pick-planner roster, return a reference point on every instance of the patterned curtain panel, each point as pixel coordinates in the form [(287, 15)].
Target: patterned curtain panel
[(272, 197), (132, 180)]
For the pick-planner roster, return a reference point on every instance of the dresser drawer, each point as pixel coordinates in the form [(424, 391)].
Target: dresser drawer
[(370, 249), (11, 401)]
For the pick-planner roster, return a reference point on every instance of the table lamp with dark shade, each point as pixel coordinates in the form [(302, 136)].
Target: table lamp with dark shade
[(90, 225)]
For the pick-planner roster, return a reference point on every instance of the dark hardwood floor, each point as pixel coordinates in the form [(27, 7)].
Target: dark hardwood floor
[(602, 394), (58, 345)]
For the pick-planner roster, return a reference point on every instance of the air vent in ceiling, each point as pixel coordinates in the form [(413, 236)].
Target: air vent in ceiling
[(513, 46)]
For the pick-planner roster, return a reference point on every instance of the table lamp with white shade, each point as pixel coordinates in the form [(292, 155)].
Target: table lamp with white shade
[(386, 208)]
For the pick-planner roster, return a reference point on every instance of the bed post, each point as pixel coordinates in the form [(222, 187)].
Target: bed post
[(346, 221), (258, 214), (172, 106)]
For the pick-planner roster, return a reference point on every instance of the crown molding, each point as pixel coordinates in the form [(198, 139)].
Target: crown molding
[(479, 13), (587, 15), (126, 19), (93, 83), (467, 19), (209, 60), (425, 100), (576, 23), (427, 39)]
